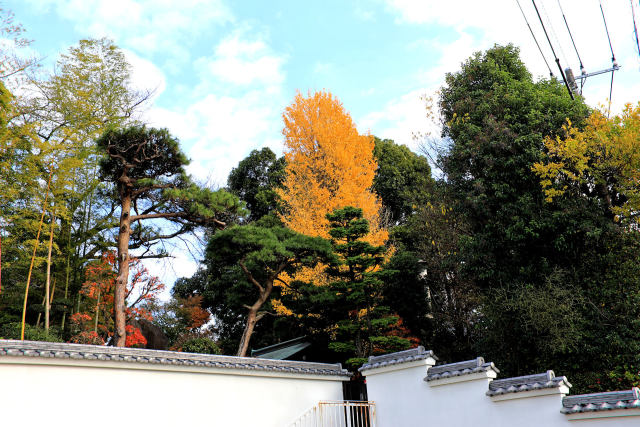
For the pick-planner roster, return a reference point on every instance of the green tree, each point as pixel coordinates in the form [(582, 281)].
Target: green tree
[(254, 181), (426, 283), (351, 307), (600, 161), (12, 63), (147, 168), (523, 249), (264, 252), (54, 124), (402, 181)]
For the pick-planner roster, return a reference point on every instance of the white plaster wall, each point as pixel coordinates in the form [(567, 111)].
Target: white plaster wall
[(404, 399), (106, 394)]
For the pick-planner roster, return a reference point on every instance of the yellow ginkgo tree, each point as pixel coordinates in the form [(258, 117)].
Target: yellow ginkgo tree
[(330, 165), (600, 160)]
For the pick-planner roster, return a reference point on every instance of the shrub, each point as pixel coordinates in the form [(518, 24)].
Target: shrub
[(201, 345)]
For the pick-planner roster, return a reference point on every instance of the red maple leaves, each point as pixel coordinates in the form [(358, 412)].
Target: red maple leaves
[(94, 324)]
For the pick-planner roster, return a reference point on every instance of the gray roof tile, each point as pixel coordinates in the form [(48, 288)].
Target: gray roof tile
[(136, 355), (628, 399), (457, 369), (418, 353), (526, 383)]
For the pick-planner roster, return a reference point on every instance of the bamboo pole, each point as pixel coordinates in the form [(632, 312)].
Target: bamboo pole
[(33, 257), (47, 304), (0, 260), (44, 298), (66, 283)]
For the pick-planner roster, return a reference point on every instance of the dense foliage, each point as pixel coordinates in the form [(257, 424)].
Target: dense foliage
[(525, 248), (255, 181)]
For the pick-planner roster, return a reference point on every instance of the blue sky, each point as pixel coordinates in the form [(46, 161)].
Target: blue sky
[(224, 70)]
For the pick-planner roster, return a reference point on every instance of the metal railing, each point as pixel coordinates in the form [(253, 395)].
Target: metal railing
[(347, 413)]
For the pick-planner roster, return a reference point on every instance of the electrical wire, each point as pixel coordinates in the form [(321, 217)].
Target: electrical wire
[(613, 57), (635, 28), (554, 36), (610, 92), (535, 39), (552, 50), (571, 36)]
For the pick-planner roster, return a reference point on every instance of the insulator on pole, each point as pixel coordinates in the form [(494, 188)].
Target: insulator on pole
[(571, 80)]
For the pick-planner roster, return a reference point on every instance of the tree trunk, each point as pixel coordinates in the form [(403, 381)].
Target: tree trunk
[(95, 327), (44, 299), (252, 319), (66, 281), (47, 302), (120, 333), (33, 257)]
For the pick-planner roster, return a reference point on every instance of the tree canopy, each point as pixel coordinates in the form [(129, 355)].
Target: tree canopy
[(402, 180), (329, 166), (146, 167), (264, 252), (255, 181)]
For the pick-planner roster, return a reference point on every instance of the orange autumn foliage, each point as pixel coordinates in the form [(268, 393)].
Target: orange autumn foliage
[(191, 309), (98, 292), (329, 166)]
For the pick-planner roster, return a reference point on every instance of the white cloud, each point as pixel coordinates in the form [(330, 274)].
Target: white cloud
[(148, 26), (323, 68), (145, 74), (236, 106), (403, 119), (365, 14), (243, 62), (479, 26)]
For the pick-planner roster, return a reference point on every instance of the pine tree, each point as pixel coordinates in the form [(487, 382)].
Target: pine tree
[(351, 306), (147, 168), (329, 166)]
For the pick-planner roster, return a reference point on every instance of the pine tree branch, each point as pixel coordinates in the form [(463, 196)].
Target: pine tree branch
[(250, 277)]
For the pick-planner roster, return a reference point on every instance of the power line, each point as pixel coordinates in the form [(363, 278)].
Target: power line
[(613, 57), (554, 36), (571, 36), (635, 28), (535, 39), (552, 50)]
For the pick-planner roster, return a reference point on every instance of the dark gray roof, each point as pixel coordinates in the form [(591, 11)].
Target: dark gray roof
[(526, 383), (136, 355), (283, 350), (457, 369), (628, 399), (418, 353)]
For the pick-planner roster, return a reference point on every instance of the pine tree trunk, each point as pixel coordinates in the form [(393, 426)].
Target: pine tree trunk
[(252, 319), (248, 331), (120, 334)]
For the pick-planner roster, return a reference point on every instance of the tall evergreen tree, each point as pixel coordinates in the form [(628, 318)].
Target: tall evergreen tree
[(544, 270), (255, 181), (351, 309), (147, 168), (402, 180)]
